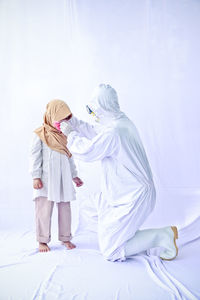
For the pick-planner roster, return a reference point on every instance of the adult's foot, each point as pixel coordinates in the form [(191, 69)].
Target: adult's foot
[(171, 249)]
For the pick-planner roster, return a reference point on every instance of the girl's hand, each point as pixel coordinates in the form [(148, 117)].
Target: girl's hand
[(78, 181), (37, 183)]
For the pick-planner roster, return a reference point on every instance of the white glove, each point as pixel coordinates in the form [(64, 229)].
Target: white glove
[(65, 128)]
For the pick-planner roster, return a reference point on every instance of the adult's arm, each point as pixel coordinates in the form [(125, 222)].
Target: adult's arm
[(103, 145), (83, 128)]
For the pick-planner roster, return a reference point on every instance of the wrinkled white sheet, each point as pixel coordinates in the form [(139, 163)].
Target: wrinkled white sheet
[(83, 274), (157, 77)]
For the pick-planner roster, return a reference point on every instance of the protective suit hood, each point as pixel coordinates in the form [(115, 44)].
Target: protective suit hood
[(105, 104)]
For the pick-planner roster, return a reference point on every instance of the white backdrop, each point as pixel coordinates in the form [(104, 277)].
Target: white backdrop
[(148, 50)]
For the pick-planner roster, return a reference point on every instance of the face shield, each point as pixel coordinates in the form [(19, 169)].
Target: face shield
[(91, 112), (104, 104)]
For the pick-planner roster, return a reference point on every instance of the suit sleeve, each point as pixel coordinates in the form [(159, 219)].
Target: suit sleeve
[(103, 145), (83, 128)]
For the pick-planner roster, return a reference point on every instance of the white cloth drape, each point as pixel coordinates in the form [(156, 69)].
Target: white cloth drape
[(149, 51)]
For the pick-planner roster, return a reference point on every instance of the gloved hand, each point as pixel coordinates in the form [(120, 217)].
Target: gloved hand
[(65, 128)]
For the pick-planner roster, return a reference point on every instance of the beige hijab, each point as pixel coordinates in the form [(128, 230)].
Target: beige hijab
[(56, 110)]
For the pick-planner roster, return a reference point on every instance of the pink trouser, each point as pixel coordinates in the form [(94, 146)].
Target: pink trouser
[(43, 212)]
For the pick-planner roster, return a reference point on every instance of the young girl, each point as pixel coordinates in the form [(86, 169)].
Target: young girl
[(53, 170)]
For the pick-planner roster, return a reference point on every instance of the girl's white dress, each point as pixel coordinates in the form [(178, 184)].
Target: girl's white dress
[(56, 171)]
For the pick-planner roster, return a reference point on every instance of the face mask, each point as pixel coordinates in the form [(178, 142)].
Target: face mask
[(56, 125)]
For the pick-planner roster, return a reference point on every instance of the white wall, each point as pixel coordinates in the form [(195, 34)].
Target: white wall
[(148, 50)]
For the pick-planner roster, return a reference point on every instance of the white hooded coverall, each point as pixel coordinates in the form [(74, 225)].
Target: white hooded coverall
[(127, 190)]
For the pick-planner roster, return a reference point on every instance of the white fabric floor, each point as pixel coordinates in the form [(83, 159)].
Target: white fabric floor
[(83, 273)]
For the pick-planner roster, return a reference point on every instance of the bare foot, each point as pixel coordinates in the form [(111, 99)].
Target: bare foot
[(69, 245), (43, 247)]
